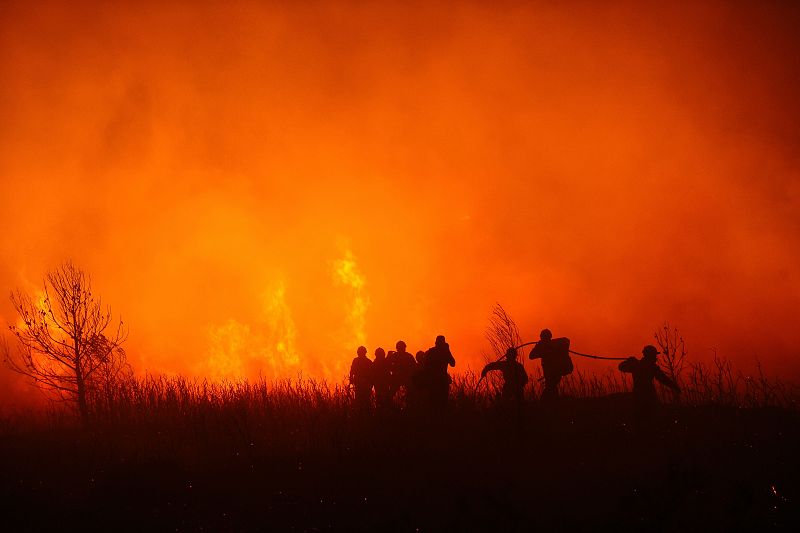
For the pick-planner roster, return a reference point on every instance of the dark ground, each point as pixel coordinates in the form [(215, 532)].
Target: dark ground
[(584, 467)]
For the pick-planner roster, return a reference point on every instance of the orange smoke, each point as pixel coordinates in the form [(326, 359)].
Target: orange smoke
[(258, 189)]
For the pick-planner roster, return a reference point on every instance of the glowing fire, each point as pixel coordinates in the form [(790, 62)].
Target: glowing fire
[(40, 309), (282, 352), (347, 274), (268, 348), (167, 175), (228, 346)]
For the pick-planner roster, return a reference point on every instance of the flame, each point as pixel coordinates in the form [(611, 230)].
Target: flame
[(39, 301), (479, 161), (40, 308), (267, 348), (347, 273), (281, 348), (227, 344)]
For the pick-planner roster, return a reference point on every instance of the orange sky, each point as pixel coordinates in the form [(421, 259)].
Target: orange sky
[(260, 188)]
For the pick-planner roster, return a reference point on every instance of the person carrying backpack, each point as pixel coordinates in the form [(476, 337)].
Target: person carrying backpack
[(556, 362)]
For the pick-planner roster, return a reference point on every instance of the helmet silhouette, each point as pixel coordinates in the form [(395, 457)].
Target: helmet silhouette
[(650, 350)]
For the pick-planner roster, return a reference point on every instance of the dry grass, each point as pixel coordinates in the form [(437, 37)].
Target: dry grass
[(194, 404), (294, 454)]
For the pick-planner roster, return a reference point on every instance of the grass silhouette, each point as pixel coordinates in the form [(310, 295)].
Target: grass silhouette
[(181, 454)]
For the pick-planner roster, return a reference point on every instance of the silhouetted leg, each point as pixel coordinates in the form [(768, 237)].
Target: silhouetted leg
[(384, 401), (644, 410), (550, 392), (362, 400), (441, 393)]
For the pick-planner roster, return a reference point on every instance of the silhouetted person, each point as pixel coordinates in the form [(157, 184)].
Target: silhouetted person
[(556, 362), (417, 378), (644, 371), (402, 366), (361, 379), (418, 391), (514, 376), (434, 368), (381, 379)]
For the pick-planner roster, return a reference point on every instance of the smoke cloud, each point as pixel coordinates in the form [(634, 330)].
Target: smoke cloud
[(259, 188)]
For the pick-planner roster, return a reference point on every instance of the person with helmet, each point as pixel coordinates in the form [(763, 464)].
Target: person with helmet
[(437, 380), (401, 366), (514, 376), (644, 371), (418, 391), (556, 362), (381, 379), (361, 379)]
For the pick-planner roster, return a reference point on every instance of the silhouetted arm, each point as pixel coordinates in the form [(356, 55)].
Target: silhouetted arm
[(450, 359), (536, 352), (665, 380), (628, 365), (488, 368)]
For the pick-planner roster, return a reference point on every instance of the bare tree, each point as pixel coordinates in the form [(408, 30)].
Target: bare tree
[(671, 345), (67, 344)]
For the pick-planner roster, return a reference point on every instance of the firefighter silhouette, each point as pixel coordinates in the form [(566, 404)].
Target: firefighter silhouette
[(556, 362), (514, 376), (434, 370), (381, 379), (361, 379), (402, 366), (644, 371)]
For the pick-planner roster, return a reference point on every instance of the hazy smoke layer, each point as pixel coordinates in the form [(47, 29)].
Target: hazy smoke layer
[(260, 188)]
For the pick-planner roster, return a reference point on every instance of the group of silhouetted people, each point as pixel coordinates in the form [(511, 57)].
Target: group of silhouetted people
[(423, 380), (557, 363)]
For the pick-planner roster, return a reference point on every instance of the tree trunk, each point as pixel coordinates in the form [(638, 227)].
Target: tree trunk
[(83, 407)]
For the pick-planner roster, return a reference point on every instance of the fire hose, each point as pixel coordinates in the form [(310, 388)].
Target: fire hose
[(573, 352), (577, 353)]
